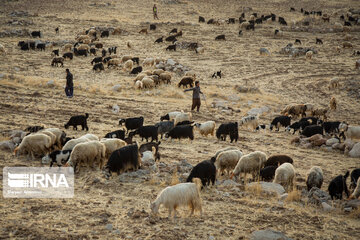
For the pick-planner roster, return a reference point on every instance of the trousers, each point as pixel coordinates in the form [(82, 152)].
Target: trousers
[(196, 103)]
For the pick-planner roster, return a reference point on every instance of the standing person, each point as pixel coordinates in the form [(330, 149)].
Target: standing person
[(196, 96), (155, 12), (69, 89)]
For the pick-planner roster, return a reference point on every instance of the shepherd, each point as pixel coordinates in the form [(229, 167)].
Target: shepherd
[(155, 12), (196, 102)]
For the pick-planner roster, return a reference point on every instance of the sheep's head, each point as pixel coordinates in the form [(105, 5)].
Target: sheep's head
[(154, 207)]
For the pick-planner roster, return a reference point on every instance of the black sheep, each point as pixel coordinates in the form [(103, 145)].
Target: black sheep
[(136, 70), (184, 123), (93, 51), (251, 26), (204, 170), (104, 33), (338, 185), (96, 60), (267, 173), (41, 46), (135, 60), (146, 132), (171, 47), (182, 131), (69, 55), (277, 160), (298, 41), (35, 34), (152, 27), (258, 21), (123, 159), (170, 39), (231, 20), (319, 41), (57, 30), (78, 120), (211, 21), (186, 81), (107, 59), (292, 9), (280, 121), (99, 66), (347, 24), (120, 134), (201, 19), (132, 123), (220, 37), (312, 130), (354, 176), (148, 147), (331, 127), (55, 52), (159, 40), (240, 32), (230, 129), (298, 125), (80, 52), (103, 53), (60, 157)]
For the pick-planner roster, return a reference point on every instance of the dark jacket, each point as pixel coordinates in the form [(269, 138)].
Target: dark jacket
[(196, 92), (69, 80)]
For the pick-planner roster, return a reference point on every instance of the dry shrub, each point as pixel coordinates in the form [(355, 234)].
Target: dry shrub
[(293, 196), (256, 189), (171, 92), (355, 214), (96, 89)]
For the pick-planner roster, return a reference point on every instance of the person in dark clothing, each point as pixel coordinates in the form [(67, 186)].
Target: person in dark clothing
[(69, 89), (196, 96)]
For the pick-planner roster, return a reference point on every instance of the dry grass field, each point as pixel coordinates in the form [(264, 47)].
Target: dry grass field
[(230, 212)]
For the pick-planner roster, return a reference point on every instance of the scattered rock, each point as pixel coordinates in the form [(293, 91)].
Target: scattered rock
[(355, 203), (15, 33), (230, 182), (331, 141), (211, 237), (268, 234), (109, 226), (184, 166), (326, 206), (244, 89), (283, 197), (269, 188), (171, 62), (50, 83), (7, 145), (355, 151), (115, 108), (318, 196), (256, 111), (116, 88)]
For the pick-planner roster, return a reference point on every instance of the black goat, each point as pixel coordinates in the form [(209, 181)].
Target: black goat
[(204, 170), (78, 120), (132, 123), (338, 185), (230, 129)]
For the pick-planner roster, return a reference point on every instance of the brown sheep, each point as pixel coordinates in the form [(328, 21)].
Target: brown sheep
[(347, 45), (320, 112), (295, 110), (144, 31), (117, 31), (333, 103)]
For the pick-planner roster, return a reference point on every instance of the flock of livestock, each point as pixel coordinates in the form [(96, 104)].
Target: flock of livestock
[(118, 152)]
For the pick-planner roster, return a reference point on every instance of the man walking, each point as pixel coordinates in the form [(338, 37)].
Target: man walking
[(155, 12), (69, 89), (196, 96)]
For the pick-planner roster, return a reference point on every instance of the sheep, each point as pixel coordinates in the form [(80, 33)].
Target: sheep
[(78, 120), (96, 60), (320, 112), (267, 173), (285, 176), (136, 70), (35, 34), (114, 62), (170, 116), (73, 142), (309, 54), (104, 33), (179, 195), (347, 45), (128, 65), (153, 147), (171, 47), (334, 83), (148, 82), (200, 49), (298, 41), (249, 120), (315, 178), (298, 126), (182, 117), (146, 132), (333, 103), (206, 128), (90, 154), (57, 60), (111, 144), (182, 131), (132, 123), (2, 49), (201, 19), (205, 171), (68, 55), (331, 127), (138, 85), (165, 77), (83, 47), (277, 160), (264, 51), (186, 81), (280, 121), (319, 41), (123, 159), (250, 163), (33, 144), (120, 134), (191, 74), (227, 160), (41, 46), (80, 52), (52, 137), (312, 130), (230, 129), (99, 45), (59, 157), (148, 62), (164, 127), (186, 122), (338, 185), (220, 37), (144, 30), (280, 33), (356, 193), (354, 176)]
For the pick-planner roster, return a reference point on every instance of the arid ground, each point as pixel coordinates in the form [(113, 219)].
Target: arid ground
[(230, 212)]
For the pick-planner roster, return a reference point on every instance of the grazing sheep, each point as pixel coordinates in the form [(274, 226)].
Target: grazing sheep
[(89, 154), (34, 144), (277, 160), (35, 34), (182, 131), (57, 60), (59, 157), (165, 77), (99, 45), (122, 160), (250, 163), (115, 62), (111, 144), (249, 120), (74, 121), (206, 128), (132, 123), (333, 103), (138, 85), (347, 45), (144, 30), (148, 62), (60, 136), (285, 176), (152, 147), (220, 37), (81, 52), (128, 65), (159, 40), (227, 160), (182, 117), (280, 121), (73, 142), (186, 81), (331, 127), (83, 47), (319, 41), (356, 193), (312, 130), (170, 116), (68, 55), (230, 129), (205, 171), (148, 82), (201, 19), (334, 83), (318, 112), (179, 195), (120, 134), (338, 185), (146, 132), (152, 27), (164, 127), (104, 33), (298, 41), (309, 54), (315, 178), (267, 173), (298, 126), (171, 47), (136, 70), (41, 46), (96, 60)]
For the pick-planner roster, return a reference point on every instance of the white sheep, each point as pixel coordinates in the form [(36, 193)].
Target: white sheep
[(2, 49), (89, 154), (128, 65), (251, 121), (206, 128), (244, 25), (125, 58), (334, 83), (148, 62), (51, 135), (182, 117), (83, 47), (250, 163), (223, 150), (60, 135), (165, 76), (148, 155), (140, 76), (114, 62), (285, 175), (32, 144), (112, 144), (73, 142), (315, 178), (356, 192), (227, 160), (67, 47), (309, 54), (355, 151), (138, 84), (148, 82), (350, 132), (181, 194), (200, 50)]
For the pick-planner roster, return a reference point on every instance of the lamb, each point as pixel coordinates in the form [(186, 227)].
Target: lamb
[(309, 54), (249, 120), (179, 195), (250, 163), (57, 60), (315, 178), (338, 185), (333, 103), (148, 82), (138, 85), (356, 193), (122, 160), (146, 132), (112, 144), (206, 128), (128, 65), (182, 131), (74, 121), (89, 154), (170, 116), (277, 160), (182, 117), (33, 144), (285, 176), (132, 123), (205, 171), (267, 173), (152, 147), (164, 127), (120, 134), (59, 157), (280, 121), (230, 129), (186, 81)]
